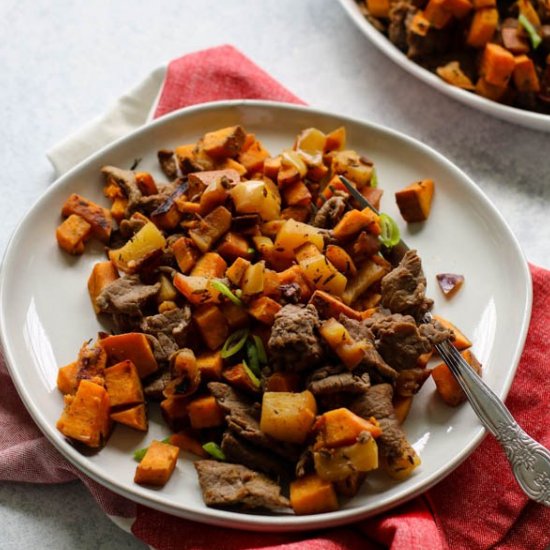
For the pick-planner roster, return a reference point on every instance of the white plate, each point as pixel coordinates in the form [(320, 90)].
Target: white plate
[(530, 119), (45, 311)]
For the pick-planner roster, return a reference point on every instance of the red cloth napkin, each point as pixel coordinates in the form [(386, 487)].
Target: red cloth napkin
[(478, 506)]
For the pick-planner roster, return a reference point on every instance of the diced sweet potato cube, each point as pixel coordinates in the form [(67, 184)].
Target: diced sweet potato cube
[(288, 416), (379, 8), (237, 270), (133, 417), (355, 221), (447, 386), (133, 346), (187, 207), (226, 142), (296, 213), (237, 316), (186, 254), (234, 246), (97, 216), (525, 75), (490, 91), (297, 194), (253, 280), (102, 274), (264, 309), (497, 65), (212, 325), (174, 411), (197, 290), (72, 234), (204, 412), (252, 156), (187, 440), (123, 384), (146, 183), (312, 495), (210, 265), (241, 377), (86, 415), (437, 14), (211, 228), (453, 74), (335, 140), (414, 201), (157, 465), (483, 27), (67, 380), (459, 8), (210, 364), (340, 427), (199, 181), (272, 167), (460, 341), (341, 260)]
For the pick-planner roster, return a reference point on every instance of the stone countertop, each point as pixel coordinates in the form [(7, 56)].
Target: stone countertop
[(63, 63)]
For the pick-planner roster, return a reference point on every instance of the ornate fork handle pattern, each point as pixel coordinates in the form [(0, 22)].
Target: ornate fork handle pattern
[(530, 461)]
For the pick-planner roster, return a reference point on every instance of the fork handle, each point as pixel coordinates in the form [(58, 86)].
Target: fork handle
[(530, 461)]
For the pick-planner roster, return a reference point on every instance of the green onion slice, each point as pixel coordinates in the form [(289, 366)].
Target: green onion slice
[(262, 355), (214, 450), (140, 453), (374, 179), (534, 36), (389, 235), (234, 343), (226, 291), (255, 380), (253, 358)]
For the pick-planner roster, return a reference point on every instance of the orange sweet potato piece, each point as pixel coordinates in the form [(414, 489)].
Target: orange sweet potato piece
[(67, 380), (452, 74), (414, 201), (264, 309), (204, 412), (212, 325), (312, 495), (447, 386), (210, 364), (211, 228), (237, 316), (187, 207), (490, 91), (240, 377), (157, 465), (297, 213), (282, 381), (187, 440), (237, 270), (174, 411), (355, 221), (133, 417), (234, 246), (197, 290), (419, 24), (341, 427), (460, 341), (186, 254), (437, 14), (497, 65), (133, 346), (335, 140), (482, 27), (210, 265), (86, 415), (146, 183), (253, 155), (97, 216), (379, 8), (295, 274), (223, 143), (525, 75), (328, 306), (72, 234), (297, 194), (123, 384), (459, 8), (401, 407), (102, 274), (341, 260)]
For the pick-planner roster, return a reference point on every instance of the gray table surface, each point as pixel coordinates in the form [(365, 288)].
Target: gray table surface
[(63, 63)]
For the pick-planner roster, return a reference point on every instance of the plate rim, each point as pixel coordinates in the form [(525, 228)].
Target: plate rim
[(230, 518), (507, 113)]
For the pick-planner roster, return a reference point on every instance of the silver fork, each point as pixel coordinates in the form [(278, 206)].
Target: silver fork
[(529, 459)]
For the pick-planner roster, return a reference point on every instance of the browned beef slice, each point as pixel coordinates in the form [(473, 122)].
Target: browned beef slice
[(330, 213), (291, 293), (126, 296), (404, 288), (170, 330), (398, 340), (126, 180), (128, 228), (337, 379), (168, 163), (377, 402), (154, 388), (243, 420), (240, 451), (294, 344), (435, 332), (397, 30), (224, 484), (360, 331)]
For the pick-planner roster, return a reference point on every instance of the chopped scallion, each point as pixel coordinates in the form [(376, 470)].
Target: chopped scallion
[(226, 291), (234, 343), (253, 378), (389, 231), (534, 36), (253, 358), (374, 179), (214, 450), (262, 355)]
